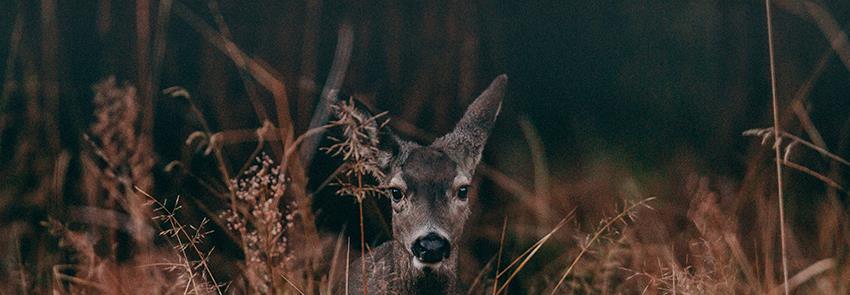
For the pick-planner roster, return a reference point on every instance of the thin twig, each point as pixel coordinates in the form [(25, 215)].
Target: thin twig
[(533, 250), (596, 236), (334, 260), (257, 70), (321, 114), (59, 275), (261, 133), (362, 239), (480, 276), (818, 149), (831, 30), (542, 189), (180, 229), (239, 60), (807, 274), (264, 76), (222, 166), (776, 136), (814, 174), (741, 258), (798, 103), (347, 251), (300, 141), (291, 284), (159, 45), (499, 260), (9, 71)]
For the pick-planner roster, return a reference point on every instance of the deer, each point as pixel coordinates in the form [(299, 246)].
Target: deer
[(429, 188)]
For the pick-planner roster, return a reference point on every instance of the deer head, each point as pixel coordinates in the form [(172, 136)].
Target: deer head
[(429, 185)]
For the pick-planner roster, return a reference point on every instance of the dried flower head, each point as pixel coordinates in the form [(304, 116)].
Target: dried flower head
[(262, 222), (359, 148), (191, 262)]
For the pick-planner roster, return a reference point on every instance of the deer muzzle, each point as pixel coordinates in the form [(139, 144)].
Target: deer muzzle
[(431, 248)]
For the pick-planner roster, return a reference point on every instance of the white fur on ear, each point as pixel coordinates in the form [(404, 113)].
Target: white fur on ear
[(466, 142)]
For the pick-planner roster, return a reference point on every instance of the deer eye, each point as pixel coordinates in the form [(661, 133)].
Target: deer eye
[(396, 194), (463, 192)]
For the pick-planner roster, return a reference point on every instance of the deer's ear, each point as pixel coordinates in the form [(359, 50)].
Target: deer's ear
[(466, 141), (392, 149), (386, 145), (389, 148)]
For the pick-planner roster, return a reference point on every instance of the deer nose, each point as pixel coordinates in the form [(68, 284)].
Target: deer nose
[(431, 248)]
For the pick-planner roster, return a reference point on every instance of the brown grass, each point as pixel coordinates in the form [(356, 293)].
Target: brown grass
[(94, 202)]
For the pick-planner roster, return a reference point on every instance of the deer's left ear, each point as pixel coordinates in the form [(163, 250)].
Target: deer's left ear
[(466, 142), (386, 146)]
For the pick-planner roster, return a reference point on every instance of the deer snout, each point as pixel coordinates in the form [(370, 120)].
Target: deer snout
[(431, 248)]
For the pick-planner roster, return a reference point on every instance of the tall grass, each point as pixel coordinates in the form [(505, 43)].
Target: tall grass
[(776, 131), (207, 190)]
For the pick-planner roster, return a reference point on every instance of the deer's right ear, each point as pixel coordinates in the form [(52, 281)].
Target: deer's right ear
[(384, 145), (389, 147)]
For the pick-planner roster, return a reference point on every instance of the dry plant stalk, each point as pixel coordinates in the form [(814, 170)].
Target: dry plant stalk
[(186, 242), (776, 136), (127, 156), (629, 213), (523, 259), (118, 162), (262, 219), (715, 263), (359, 150)]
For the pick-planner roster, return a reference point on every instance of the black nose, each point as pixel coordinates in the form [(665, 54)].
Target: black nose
[(431, 248)]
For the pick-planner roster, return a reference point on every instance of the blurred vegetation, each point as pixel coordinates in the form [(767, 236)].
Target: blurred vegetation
[(610, 103)]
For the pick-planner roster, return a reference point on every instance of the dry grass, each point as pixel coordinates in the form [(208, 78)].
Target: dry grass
[(89, 206)]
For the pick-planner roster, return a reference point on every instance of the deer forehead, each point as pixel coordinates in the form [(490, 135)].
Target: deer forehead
[(428, 168)]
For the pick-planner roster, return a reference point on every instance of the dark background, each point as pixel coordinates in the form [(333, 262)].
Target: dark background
[(638, 79), (653, 90)]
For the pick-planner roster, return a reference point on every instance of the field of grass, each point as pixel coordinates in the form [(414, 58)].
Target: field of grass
[(695, 147)]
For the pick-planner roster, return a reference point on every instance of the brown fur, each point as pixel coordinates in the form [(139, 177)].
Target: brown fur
[(429, 177)]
